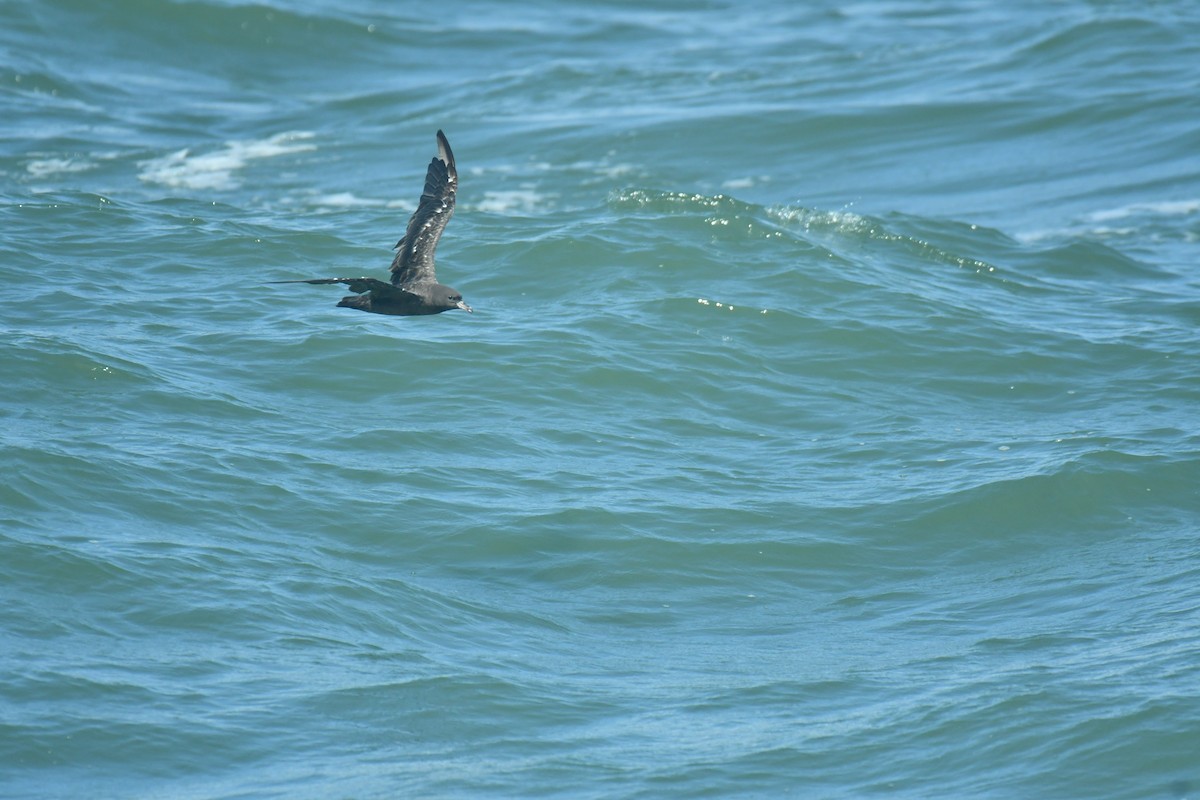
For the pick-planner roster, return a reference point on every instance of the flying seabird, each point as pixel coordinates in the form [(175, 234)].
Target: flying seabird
[(414, 288)]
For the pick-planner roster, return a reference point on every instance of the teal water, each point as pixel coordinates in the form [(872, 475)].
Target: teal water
[(827, 426)]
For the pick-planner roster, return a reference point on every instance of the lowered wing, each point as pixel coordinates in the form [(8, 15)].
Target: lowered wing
[(359, 285)]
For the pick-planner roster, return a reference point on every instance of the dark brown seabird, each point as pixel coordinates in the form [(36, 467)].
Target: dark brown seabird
[(414, 288)]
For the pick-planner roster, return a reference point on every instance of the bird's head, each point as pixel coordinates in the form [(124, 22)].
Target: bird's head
[(449, 298)]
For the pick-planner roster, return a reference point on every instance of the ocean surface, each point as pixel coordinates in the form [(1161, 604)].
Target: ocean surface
[(828, 425)]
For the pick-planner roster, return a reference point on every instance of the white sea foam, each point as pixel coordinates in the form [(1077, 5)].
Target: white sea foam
[(348, 200), (40, 168), (521, 201), (746, 182), (1103, 223), (1167, 208), (216, 170)]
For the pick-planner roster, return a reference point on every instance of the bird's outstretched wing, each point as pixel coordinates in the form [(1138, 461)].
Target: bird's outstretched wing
[(358, 285), (414, 261)]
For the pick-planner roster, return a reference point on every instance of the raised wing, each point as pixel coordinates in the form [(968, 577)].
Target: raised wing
[(414, 262)]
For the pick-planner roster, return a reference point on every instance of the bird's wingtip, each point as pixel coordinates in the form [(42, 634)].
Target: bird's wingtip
[(444, 151)]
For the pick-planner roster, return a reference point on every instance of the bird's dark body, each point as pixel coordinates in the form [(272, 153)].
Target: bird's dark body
[(414, 289), (382, 303)]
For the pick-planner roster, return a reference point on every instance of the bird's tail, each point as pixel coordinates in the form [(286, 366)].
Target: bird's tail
[(360, 301)]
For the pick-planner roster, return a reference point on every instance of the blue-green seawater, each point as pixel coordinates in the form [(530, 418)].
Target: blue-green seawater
[(828, 425)]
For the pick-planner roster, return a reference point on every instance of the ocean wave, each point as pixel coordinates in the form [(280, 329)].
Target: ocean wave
[(217, 170)]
